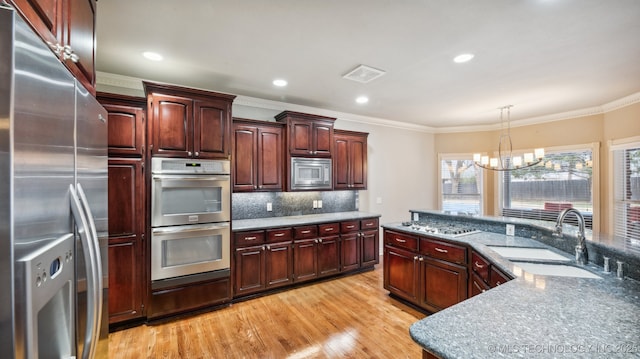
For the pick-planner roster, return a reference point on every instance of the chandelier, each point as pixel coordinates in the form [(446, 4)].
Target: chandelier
[(505, 160)]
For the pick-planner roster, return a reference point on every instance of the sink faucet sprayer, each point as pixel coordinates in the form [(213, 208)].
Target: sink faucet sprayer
[(582, 257)]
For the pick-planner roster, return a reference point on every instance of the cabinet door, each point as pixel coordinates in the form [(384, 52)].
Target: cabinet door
[(477, 285), (245, 153), (322, 139), (305, 260), (350, 250), (341, 163), (279, 265), (358, 162), (127, 284), (300, 138), (211, 129), (249, 270), (126, 280), (126, 129), (442, 284), (401, 273), (80, 35), (172, 126), (328, 255), (370, 248), (270, 158), (45, 16)]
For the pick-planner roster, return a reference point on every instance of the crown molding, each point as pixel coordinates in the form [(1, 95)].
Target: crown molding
[(134, 83)]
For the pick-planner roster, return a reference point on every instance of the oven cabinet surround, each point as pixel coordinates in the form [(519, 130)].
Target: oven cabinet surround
[(428, 272), (257, 156), (69, 28), (127, 209), (350, 160), (268, 258), (188, 123)]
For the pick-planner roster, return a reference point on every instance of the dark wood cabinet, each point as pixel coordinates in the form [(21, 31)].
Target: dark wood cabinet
[(188, 123), (350, 160), (350, 251), (127, 279), (328, 249), (126, 121), (359, 243), (258, 156), (308, 135), (428, 272), (262, 260), (305, 259), (485, 275), (68, 27)]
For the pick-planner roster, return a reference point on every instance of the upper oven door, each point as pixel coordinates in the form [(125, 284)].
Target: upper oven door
[(190, 199)]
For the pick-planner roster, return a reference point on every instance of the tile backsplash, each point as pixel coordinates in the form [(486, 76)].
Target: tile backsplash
[(254, 204)]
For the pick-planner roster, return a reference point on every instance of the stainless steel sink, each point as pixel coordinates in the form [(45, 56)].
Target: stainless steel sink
[(522, 253), (555, 270)]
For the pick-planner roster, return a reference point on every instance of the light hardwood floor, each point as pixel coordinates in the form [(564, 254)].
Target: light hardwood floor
[(348, 317)]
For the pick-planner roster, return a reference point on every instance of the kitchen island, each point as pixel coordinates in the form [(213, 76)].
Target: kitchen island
[(533, 314)]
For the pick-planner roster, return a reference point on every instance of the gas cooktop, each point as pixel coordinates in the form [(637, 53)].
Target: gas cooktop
[(450, 229)]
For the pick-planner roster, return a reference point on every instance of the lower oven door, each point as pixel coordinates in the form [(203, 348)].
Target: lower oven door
[(185, 250)]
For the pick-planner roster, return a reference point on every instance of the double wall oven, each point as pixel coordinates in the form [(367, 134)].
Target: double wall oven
[(190, 220)]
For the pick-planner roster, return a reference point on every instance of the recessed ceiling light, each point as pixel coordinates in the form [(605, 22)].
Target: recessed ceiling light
[(362, 99), (280, 82), (462, 58), (153, 56)]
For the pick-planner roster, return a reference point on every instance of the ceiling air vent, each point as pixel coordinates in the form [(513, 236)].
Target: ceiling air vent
[(363, 74)]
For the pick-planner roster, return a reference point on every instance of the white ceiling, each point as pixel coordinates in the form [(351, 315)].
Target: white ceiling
[(542, 56)]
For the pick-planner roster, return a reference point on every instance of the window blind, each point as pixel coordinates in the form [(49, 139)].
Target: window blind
[(626, 186)]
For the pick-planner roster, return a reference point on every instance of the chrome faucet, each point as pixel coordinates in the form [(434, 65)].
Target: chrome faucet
[(582, 257)]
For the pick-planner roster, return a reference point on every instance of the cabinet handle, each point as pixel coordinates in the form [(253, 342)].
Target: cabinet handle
[(328, 229), (57, 48), (316, 241), (306, 232), (349, 227), (441, 250), (189, 153), (255, 187), (258, 186), (320, 240), (268, 248), (197, 154), (278, 235), (415, 258), (498, 283), (70, 55), (250, 238), (400, 240), (478, 265)]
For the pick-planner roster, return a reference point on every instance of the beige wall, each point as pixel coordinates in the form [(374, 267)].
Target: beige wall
[(616, 124)]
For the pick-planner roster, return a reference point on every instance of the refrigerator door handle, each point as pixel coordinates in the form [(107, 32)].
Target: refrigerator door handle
[(89, 257), (97, 262)]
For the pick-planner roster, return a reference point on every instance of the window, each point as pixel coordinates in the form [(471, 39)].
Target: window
[(565, 179), (626, 188), (460, 185)]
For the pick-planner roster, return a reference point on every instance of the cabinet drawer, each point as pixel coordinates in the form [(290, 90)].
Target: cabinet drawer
[(328, 229), (401, 240), (349, 226), (279, 235), (252, 238), (480, 266), (444, 251), (304, 232), (369, 223), (497, 277)]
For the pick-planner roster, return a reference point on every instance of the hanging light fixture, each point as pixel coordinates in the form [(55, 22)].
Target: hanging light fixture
[(505, 160)]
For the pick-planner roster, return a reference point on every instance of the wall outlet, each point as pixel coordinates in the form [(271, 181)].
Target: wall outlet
[(511, 230), (378, 200), (319, 203), (416, 217), (315, 204), (269, 207)]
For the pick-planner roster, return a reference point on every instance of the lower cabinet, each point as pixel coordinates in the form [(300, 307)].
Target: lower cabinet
[(180, 299), (442, 284), (484, 275), (401, 273), (126, 294)]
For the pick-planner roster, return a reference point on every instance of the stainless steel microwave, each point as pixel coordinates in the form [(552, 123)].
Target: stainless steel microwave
[(311, 173)]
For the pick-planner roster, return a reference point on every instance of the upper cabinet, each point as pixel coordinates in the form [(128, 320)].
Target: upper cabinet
[(126, 124), (350, 160), (188, 123), (258, 156), (68, 27), (308, 135)]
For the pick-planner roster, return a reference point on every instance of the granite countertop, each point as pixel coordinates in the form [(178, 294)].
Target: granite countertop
[(288, 221), (531, 315)]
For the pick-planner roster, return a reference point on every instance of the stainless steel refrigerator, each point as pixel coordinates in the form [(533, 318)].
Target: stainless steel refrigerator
[(53, 204)]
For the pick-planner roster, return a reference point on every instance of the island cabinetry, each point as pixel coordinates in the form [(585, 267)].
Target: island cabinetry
[(262, 260), (188, 123), (69, 28), (428, 272), (308, 135), (350, 160), (258, 156), (485, 275)]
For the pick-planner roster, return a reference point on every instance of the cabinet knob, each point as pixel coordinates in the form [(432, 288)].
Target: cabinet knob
[(189, 153), (320, 240), (57, 48), (69, 54), (197, 154), (268, 248), (421, 259), (415, 258)]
